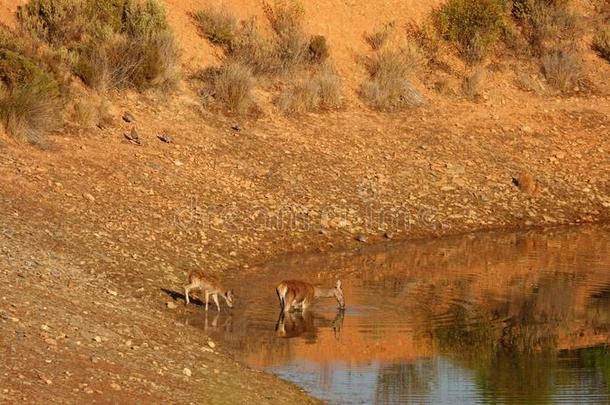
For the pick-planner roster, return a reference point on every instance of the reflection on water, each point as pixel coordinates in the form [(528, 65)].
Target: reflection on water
[(509, 318)]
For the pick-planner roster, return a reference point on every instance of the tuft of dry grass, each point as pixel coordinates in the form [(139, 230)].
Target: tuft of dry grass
[(388, 86), (232, 85), (471, 86), (380, 36), (318, 49), (321, 91), (562, 69), (29, 113), (217, 26), (601, 43), (286, 20)]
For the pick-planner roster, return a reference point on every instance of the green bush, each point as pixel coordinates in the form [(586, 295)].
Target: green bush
[(30, 95), (473, 25), (601, 43), (114, 43)]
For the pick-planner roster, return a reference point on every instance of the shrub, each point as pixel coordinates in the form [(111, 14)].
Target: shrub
[(30, 103), (286, 20), (319, 92), (473, 25), (116, 43), (232, 85), (544, 21), (29, 112), (253, 49), (388, 86), (601, 43), (217, 26), (562, 69), (377, 39)]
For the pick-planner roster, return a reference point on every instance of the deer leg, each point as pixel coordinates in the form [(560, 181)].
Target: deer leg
[(187, 289), (215, 298)]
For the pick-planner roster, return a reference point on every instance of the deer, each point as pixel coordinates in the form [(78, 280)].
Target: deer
[(200, 281), (295, 294)]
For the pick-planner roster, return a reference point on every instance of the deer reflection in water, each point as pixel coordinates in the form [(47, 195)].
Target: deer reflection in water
[(302, 324), (211, 323)]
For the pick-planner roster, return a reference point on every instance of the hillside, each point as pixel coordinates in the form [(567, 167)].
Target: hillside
[(99, 225)]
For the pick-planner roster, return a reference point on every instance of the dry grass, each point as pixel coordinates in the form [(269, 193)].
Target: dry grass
[(471, 86), (321, 91), (291, 42), (546, 23), (217, 26), (388, 86), (29, 114), (318, 49), (562, 69), (231, 85), (601, 43), (380, 36)]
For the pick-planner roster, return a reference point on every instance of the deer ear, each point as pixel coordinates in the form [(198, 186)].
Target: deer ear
[(338, 284)]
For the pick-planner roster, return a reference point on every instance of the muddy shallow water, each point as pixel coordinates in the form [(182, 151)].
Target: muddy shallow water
[(496, 318)]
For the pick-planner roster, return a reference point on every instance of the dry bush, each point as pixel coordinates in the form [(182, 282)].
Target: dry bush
[(562, 69), (473, 25), (388, 86), (231, 85), (545, 22), (321, 91), (29, 113), (380, 36), (425, 37), (286, 20), (471, 86), (601, 43), (217, 26), (30, 94), (255, 50)]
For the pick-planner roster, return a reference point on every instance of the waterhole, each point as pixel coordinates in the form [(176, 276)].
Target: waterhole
[(485, 318)]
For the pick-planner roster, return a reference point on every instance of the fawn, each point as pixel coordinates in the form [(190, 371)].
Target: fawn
[(294, 294), (199, 281)]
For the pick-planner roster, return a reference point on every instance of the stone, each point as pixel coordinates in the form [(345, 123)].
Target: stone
[(211, 344), (97, 339), (361, 238), (171, 305), (128, 117), (165, 138), (133, 137), (187, 372)]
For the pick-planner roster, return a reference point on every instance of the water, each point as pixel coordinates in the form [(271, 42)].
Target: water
[(485, 318)]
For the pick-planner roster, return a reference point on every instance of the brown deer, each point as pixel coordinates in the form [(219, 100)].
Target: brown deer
[(295, 294), (200, 281)]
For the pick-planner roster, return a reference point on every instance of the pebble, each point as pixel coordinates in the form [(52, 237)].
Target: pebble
[(128, 117), (187, 372), (97, 339), (171, 305), (211, 344)]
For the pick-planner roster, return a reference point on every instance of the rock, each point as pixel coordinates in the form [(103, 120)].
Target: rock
[(187, 372), (526, 182), (97, 339), (45, 327), (236, 127), (361, 238), (115, 386), (388, 235), (128, 117), (165, 138), (111, 292), (89, 197), (211, 344), (171, 305), (133, 137)]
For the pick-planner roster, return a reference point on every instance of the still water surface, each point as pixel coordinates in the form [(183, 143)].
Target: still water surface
[(484, 318)]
